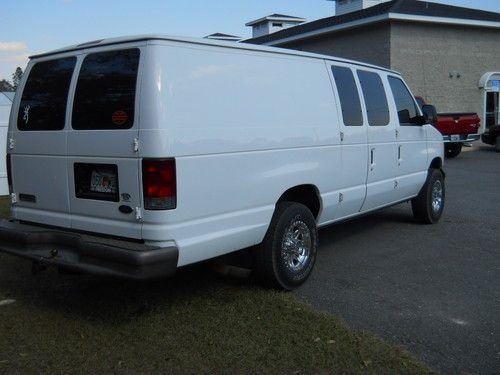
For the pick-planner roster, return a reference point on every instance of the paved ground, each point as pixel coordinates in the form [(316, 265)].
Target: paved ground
[(432, 289)]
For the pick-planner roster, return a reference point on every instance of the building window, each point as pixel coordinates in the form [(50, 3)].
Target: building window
[(276, 24), (377, 108), (348, 95)]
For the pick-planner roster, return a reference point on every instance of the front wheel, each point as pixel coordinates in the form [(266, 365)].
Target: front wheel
[(286, 257), (452, 150), (428, 206)]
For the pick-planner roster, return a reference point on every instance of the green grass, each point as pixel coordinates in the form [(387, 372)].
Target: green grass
[(196, 322)]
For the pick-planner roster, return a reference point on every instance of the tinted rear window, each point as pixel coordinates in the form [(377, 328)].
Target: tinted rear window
[(105, 92), (45, 95), (348, 95), (377, 108)]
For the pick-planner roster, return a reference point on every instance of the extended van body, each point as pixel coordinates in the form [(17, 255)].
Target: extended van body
[(132, 157)]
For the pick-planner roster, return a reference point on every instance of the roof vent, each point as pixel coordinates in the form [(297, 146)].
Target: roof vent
[(222, 36), (90, 43)]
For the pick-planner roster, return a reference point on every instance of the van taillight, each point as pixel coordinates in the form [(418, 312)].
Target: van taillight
[(9, 173), (159, 184)]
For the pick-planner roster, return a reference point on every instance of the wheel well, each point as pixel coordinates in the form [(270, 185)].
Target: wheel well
[(437, 163), (308, 195)]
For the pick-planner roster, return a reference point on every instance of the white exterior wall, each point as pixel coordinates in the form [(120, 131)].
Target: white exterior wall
[(260, 29), (354, 5), (265, 28), (5, 106)]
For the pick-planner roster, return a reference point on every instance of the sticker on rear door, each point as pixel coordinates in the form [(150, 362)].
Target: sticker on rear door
[(119, 117), (26, 116)]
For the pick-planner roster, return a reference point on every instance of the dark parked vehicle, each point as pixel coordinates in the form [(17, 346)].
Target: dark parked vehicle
[(492, 137)]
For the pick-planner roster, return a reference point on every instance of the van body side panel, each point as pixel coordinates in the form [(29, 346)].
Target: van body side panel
[(435, 147), (244, 127)]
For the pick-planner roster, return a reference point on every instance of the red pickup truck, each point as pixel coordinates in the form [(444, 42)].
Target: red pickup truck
[(456, 128)]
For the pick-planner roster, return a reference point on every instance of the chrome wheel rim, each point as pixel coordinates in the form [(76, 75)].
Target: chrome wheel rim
[(296, 245), (437, 196)]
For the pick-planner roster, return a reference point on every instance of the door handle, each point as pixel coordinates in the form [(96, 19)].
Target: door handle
[(399, 153), (372, 159)]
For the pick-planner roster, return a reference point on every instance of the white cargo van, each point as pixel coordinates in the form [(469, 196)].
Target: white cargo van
[(132, 157)]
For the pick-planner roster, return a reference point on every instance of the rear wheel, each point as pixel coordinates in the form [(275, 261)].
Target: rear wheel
[(287, 255), (452, 150), (497, 143), (428, 206)]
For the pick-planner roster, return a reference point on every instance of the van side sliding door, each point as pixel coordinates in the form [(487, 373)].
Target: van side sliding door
[(381, 140), (353, 140)]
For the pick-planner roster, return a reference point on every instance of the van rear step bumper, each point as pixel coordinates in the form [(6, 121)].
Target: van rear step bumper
[(86, 253)]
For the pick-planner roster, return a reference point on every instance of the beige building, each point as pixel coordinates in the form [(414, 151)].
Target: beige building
[(449, 55)]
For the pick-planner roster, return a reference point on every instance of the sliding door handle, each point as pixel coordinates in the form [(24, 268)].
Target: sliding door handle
[(372, 158)]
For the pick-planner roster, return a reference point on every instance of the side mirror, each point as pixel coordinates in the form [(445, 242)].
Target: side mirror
[(404, 116), (430, 114)]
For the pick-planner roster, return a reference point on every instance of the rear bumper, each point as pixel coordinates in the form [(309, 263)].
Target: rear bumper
[(87, 253), (463, 138)]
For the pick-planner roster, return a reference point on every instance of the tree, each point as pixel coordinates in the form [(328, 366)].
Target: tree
[(16, 77), (6, 85)]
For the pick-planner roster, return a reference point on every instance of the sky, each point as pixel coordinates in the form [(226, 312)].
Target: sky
[(33, 26)]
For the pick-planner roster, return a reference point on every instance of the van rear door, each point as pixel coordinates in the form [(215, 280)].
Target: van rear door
[(37, 143), (103, 164)]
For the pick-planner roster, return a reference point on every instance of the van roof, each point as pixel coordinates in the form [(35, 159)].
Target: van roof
[(203, 41)]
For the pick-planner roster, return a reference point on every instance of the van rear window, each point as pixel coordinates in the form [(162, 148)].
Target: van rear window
[(105, 91), (45, 95), (377, 108), (348, 95)]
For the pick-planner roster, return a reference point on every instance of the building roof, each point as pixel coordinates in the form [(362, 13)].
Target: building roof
[(276, 17), (409, 10)]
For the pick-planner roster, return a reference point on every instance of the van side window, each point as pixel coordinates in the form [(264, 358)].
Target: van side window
[(105, 91), (377, 108), (45, 95), (405, 104), (348, 95)]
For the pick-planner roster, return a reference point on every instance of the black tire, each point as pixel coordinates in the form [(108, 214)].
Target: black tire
[(274, 265), (497, 143), (452, 150), (426, 207)]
